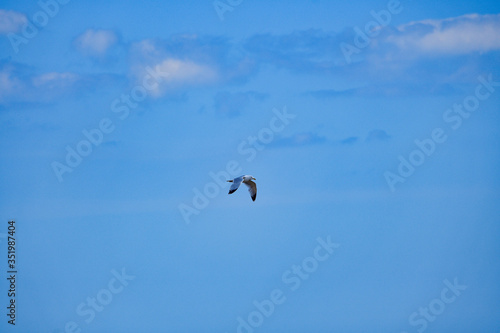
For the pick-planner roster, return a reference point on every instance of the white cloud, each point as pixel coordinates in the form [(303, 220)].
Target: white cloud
[(458, 35), (11, 21), (173, 73), (54, 80), (17, 83), (188, 60), (146, 46), (185, 71), (96, 42), (8, 83)]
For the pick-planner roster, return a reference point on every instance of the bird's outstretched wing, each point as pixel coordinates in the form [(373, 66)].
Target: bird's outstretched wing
[(252, 188), (236, 183)]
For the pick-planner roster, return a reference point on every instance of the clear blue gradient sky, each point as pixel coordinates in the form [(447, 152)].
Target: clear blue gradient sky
[(372, 128)]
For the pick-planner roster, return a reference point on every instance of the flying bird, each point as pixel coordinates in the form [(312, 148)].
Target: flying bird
[(247, 180)]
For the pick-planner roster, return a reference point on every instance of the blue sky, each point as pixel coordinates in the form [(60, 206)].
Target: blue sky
[(370, 126)]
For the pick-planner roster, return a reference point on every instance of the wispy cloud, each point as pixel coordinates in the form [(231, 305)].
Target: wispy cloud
[(429, 56), (54, 80), (373, 136), (189, 60), (419, 51), (299, 139), (390, 86), (20, 83), (307, 50), (10, 82), (451, 36), (11, 21), (185, 71), (95, 43)]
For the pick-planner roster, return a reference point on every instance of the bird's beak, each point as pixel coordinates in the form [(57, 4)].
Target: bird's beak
[(254, 179)]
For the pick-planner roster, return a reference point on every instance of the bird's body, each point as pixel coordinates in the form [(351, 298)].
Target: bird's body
[(247, 180)]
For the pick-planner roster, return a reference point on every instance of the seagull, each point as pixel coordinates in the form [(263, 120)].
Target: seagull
[(247, 180)]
